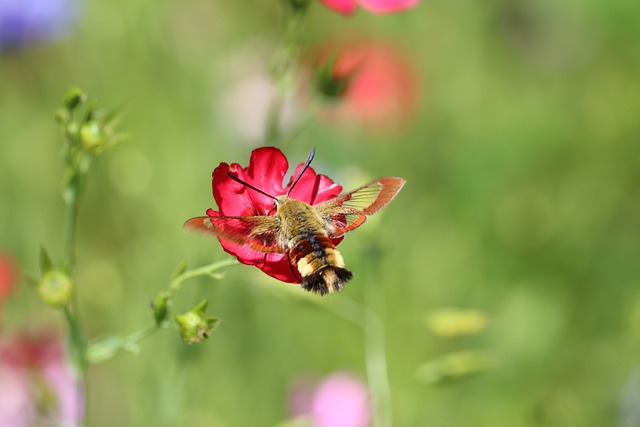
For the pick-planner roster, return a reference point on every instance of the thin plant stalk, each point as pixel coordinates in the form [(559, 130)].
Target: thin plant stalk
[(375, 355), (296, 14)]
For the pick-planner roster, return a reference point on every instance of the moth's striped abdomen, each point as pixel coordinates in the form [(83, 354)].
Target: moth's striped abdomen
[(319, 263)]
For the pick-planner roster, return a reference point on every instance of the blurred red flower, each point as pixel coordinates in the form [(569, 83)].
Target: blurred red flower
[(36, 385), (371, 83), (348, 7), (266, 171), (9, 275)]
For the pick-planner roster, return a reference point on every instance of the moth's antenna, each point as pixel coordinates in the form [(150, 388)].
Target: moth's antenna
[(304, 168), (235, 178)]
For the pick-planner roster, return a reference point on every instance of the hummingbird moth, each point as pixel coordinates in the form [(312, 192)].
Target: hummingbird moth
[(303, 232)]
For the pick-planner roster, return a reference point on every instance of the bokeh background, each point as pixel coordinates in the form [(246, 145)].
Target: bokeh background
[(522, 204)]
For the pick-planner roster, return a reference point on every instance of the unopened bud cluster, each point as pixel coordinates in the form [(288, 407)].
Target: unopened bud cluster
[(195, 326), (94, 131)]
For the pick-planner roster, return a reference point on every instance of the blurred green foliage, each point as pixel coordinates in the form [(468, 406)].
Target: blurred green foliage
[(523, 202)]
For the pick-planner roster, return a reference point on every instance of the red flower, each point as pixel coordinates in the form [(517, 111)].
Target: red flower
[(348, 7), (373, 85), (8, 275), (266, 171)]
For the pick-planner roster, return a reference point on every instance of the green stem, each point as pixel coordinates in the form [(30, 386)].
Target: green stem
[(77, 342), (77, 357), (105, 349), (375, 356), (202, 271), (71, 218), (133, 339), (376, 362), (296, 13)]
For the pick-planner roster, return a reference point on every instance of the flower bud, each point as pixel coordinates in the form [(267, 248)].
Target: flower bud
[(93, 136), (55, 288), (160, 306), (331, 84), (454, 323), (195, 326), (456, 365), (73, 98)]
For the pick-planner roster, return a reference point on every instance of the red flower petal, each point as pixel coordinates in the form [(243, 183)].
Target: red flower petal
[(348, 7), (267, 167), (30, 351), (266, 171), (231, 197), (345, 7), (312, 188), (9, 275)]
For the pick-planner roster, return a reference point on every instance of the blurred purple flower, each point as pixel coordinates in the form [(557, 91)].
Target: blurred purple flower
[(340, 400), (36, 385), (30, 21)]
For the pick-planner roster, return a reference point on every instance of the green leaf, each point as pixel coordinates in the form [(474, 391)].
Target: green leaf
[(62, 116), (90, 113), (182, 267), (45, 261), (456, 365), (104, 349), (455, 322), (112, 118)]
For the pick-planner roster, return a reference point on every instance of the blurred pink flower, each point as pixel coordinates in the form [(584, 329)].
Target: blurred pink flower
[(377, 85), (245, 94), (9, 275), (340, 400), (245, 107), (37, 388), (348, 7)]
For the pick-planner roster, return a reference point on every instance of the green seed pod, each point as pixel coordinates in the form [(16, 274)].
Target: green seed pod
[(55, 288), (93, 136), (195, 326), (160, 307), (73, 98)]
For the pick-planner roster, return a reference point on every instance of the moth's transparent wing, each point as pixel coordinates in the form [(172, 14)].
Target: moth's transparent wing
[(257, 232), (349, 211)]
